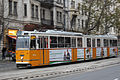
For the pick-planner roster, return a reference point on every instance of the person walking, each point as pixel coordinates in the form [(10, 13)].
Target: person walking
[(3, 52)]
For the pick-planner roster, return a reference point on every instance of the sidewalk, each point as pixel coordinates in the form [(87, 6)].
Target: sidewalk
[(7, 59)]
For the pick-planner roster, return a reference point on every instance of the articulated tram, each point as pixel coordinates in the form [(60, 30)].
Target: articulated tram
[(35, 48)]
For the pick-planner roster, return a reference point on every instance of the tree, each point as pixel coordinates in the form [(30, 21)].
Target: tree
[(3, 22), (100, 15), (1, 19)]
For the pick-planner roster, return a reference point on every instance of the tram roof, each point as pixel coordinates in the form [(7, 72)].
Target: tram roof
[(102, 36), (53, 32)]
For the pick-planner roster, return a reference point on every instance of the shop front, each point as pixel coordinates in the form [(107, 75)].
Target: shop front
[(11, 42)]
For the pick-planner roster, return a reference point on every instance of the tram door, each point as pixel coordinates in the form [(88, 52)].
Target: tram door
[(43, 45)]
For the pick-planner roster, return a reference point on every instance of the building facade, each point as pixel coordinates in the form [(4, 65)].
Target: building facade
[(42, 15)]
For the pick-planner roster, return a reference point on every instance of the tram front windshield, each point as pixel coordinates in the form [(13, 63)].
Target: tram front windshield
[(22, 43)]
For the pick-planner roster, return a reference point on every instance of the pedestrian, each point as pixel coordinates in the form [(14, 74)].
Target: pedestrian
[(65, 56), (68, 55), (3, 52)]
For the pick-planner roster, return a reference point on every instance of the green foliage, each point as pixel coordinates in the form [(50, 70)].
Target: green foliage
[(102, 15)]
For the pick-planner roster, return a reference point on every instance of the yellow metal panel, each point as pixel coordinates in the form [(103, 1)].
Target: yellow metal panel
[(22, 53), (108, 52), (35, 57), (74, 54), (47, 56), (46, 52), (41, 57), (94, 53)]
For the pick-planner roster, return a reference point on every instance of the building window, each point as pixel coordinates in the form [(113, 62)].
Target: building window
[(64, 21), (10, 7), (15, 8), (88, 42), (82, 23), (43, 14), (72, 4), (59, 17), (36, 11), (32, 10), (25, 9), (79, 23), (64, 3), (82, 10)]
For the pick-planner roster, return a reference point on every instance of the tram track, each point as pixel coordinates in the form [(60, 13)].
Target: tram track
[(47, 72)]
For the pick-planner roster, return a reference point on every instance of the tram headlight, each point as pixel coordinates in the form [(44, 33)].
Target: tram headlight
[(22, 58)]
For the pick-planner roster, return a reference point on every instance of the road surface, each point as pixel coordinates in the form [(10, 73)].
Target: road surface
[(110, 73), (8, 71)]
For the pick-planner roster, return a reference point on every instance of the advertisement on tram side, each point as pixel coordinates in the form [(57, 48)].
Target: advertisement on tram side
[(98, 52), (60, 56), (104, 52), (89, 53), (113, 51), (80, 54)]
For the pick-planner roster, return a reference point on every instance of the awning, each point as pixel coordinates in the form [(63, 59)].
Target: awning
[(13, 37)]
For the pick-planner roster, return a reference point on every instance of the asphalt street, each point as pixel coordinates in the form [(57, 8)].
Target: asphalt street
[(110, 73), (76, 71)]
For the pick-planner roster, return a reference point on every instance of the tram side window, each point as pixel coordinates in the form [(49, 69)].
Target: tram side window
[(93, 42), (53, 42), (61, 42), (33, 42), (114, 43), (105, 43), (98, 42), (73, 42), (79, 42), (67, 42), (88, 42), (45, 42), (38, 42), (111, 43)]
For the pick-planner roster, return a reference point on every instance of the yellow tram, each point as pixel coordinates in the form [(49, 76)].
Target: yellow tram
[(35, 48)]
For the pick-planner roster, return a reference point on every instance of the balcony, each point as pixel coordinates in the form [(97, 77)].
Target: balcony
[(46, 3)]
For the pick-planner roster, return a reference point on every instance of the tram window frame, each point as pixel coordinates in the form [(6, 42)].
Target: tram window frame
[(98, 42), (61, 42), (54, 42), (111, 43), (115, 43), (67, 42), (45, 40), (106, 44), (42, 42), (33, 42), (88, 42), (73, 42), (93, 42), (39, 42), (79, 42)]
